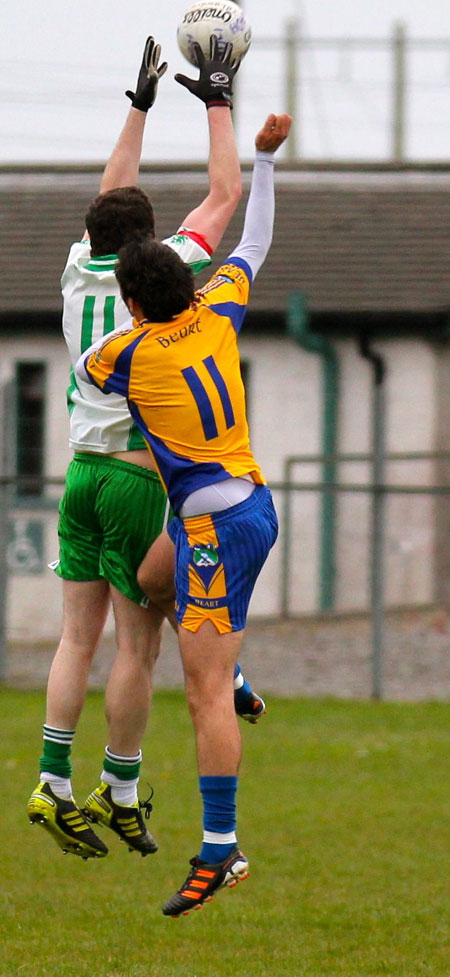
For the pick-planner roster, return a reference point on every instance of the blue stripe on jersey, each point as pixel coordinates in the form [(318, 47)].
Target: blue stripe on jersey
[(240, 263), (216, 375), (89, 375), (119, 380), (181, 475), (235, 312), (203, 402)]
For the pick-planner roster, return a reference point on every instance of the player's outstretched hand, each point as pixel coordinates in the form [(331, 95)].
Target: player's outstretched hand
[(215, 83), (273, 133), (148, 77)]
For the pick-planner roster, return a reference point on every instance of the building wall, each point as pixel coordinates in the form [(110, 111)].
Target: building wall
[(285, 409), (410, 427), (285, 418)]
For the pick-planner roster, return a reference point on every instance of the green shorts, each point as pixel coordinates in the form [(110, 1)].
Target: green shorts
[(109, 515)]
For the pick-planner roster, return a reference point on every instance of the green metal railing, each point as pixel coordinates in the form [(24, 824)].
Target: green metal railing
[(378, 492), (289, 488)]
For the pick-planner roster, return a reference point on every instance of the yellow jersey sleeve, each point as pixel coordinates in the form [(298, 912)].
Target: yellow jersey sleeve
[(109, 366), (227, 292)]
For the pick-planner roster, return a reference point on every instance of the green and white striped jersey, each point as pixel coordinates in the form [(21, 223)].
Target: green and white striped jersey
[(92, 307)]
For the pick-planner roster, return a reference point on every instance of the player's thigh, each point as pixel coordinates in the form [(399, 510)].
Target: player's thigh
[(156, 574), (208, 657), (85, 608)]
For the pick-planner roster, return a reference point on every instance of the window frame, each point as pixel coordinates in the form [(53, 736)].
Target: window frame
[(29, 427)]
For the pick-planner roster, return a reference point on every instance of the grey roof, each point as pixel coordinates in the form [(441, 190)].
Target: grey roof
[(352, 239)]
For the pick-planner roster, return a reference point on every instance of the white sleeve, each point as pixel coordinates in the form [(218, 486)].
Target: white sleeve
[(191, 247), (259, 215), (79, 255)]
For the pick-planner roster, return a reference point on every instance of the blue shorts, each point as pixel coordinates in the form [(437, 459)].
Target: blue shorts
[(218, 559)]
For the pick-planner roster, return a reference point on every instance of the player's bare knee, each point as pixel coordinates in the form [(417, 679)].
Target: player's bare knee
[(160, 592), (145, 583)]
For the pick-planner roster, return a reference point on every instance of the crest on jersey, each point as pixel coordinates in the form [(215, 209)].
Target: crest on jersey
[(207, 565), (205, 556)]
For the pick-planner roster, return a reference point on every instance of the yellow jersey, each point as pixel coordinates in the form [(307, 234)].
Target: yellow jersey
[(183, 384)]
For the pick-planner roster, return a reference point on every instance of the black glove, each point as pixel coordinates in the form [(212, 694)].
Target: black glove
[(148, 77), (214, 86)]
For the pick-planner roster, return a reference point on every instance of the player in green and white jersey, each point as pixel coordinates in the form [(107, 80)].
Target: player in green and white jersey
[(113, 505), (92, 308)]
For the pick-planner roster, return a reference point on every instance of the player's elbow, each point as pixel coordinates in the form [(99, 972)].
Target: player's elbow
[(230, 199), (235, 191), (228, 194)]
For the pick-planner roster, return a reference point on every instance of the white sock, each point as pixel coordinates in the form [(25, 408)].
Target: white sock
[(61, 786), (123, 792)]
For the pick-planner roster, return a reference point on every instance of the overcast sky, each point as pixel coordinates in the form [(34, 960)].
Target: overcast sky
[(64, 67)]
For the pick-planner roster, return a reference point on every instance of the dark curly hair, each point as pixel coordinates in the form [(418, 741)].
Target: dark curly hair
[(155, 277), (115, 217)]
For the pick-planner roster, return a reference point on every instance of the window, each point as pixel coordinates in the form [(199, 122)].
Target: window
[(30, 417)]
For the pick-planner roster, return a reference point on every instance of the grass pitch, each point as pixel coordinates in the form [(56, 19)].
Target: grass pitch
[(344, 810)]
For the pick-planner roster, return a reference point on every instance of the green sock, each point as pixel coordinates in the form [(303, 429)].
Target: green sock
[(123, 767), (57, 749)]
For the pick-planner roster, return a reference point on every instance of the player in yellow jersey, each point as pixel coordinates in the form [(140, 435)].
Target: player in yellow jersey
[(178, 367), (113, 504)]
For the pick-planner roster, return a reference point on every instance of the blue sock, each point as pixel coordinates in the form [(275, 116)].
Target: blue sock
[(219, 817), (243, 691)]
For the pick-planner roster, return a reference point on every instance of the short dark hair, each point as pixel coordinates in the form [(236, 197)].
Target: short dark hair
[(153, 275), (116, 216)]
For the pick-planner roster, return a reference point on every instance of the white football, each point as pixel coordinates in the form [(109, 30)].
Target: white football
[(226, 20)]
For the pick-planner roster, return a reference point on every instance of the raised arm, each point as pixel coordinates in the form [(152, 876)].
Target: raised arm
[(122, 168), (259, 215), (214, 87)]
